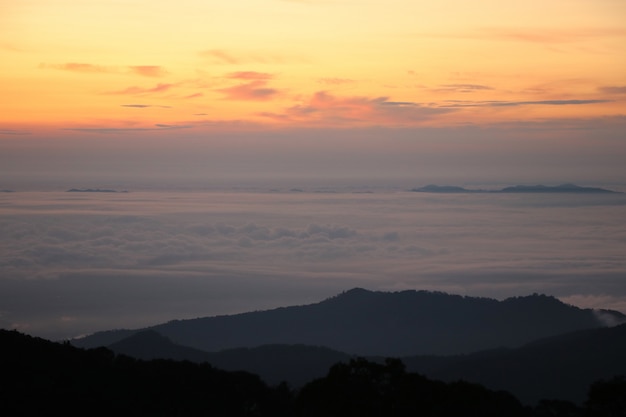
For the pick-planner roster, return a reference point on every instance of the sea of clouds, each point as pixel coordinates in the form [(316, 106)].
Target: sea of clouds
[(74, 263)]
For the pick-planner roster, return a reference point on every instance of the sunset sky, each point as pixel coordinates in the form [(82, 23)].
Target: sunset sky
[(273, 87)]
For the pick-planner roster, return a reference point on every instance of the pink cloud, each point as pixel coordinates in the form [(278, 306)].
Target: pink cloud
[(250, 75), (196, 95), (222, 57), (254, 90), (325, 108), (78, 67), (159, 88), (148, 70)]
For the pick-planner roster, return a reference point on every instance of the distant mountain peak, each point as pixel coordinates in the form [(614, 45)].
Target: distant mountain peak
[(363, 322), (539, 188)]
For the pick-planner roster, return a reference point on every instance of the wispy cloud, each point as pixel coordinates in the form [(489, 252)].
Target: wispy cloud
[(117, 130), (134, 90), (328, 108), (13, 132), (79, 67), (87, 68), (463, 88), (613, 89), (534, 34), (143, 106), (254, 90), (464, 103), (148, 70), (223, 57), (550, 36), (250, 75)]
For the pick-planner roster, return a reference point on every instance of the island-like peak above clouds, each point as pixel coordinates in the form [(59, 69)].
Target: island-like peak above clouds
[(563, 188)]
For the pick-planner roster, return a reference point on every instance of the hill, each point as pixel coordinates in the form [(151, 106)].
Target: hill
[(371, 323), (45, 378), (560, 367), (295, 364)]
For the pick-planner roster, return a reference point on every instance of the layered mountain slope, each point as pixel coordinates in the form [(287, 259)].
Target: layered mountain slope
[(382, 323)]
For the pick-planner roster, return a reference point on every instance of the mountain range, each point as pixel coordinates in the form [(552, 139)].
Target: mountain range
[(563, 188), (373, 323), (532, 346), (559, 367)]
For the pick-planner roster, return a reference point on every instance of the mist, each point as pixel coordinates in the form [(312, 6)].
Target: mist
[(75, 263)]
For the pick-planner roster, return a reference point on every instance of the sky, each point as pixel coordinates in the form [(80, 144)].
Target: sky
[(267, 89)]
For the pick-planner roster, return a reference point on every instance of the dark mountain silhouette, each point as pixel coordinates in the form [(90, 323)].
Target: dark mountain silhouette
[(294, 364), (370, 323), (560, 367), (149, 344), (563, 188), (40, 377), (45, 378)]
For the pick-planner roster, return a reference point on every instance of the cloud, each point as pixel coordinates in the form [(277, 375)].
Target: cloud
[(194, 95), (254, 90), (551, 36), (222, 57), (463, 88), (15, 132), (100, 253), (143, 106), (134, 90), (538, 35), (250, 75), (118, 130), (463, 103), (613, 89), (143, 70), (148, 70), (79, 67), (328, 108)]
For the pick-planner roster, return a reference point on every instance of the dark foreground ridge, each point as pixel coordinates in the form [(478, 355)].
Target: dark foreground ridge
[(563, 188), (46, 378), (372, 323), (560, 367)]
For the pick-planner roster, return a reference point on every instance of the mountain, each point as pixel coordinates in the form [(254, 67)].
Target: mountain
[(148, 345), (40, 377), (560, 367), (371, 323), (295, 364), (563, 188)]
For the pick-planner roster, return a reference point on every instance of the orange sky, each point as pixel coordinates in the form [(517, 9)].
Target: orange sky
[(103, 64), (76, 68)]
